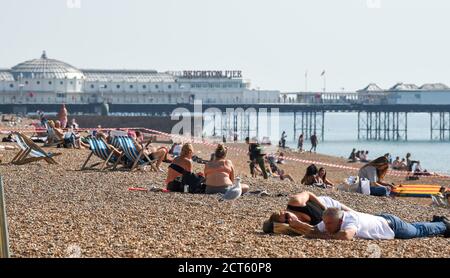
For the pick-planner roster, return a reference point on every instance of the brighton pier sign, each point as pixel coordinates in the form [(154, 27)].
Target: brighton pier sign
[(209, 74)]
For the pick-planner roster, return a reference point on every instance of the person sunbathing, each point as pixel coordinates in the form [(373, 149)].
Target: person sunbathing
[(54, 134), (311, 176), (306, 206), (403, 166), (375, 171), (419, 171), (181, 163), (322, 174), (219, 173), (274, 170), (105, 138), (352, 157), (346, 225), (153, 153), (396, 164), (68, 138)]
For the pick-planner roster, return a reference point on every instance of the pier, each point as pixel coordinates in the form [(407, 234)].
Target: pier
[(383, 122)]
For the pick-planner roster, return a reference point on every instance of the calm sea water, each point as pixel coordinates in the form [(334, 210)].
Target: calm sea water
[(341, 136)]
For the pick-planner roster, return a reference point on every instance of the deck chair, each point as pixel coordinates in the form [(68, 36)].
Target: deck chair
[(30, 152), (100, 149), (51, 134), (130, 151)]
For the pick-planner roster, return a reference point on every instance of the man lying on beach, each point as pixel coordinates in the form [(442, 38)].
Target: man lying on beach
[(346, 225), (305, 206)]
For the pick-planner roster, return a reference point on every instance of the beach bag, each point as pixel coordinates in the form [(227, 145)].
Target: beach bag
[(176, 185), (365, 186), (195, 183)]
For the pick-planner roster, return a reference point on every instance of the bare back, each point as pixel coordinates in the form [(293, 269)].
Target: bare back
[(219, 173)]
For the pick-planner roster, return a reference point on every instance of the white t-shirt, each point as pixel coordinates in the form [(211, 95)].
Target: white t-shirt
[(329, 202), (367, 226)]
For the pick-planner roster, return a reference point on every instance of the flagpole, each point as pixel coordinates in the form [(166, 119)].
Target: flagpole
[(324, 81), (306, 81)]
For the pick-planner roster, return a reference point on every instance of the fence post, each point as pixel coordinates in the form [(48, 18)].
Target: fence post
[(4, 241)]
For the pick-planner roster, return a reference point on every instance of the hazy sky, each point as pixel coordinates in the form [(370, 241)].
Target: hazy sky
[(272, 41)]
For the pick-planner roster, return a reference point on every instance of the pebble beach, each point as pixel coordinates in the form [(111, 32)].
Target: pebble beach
[(61, 211)]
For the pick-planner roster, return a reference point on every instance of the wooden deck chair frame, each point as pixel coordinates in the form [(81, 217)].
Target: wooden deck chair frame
[(104, 163), (27, 147), (140, 156)]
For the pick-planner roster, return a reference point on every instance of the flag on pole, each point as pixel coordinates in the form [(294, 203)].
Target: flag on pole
[(323, 73)]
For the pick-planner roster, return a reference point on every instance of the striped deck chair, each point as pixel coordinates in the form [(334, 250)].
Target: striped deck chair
[(100, 149), (51, 136), (30, 152), (130, 151)]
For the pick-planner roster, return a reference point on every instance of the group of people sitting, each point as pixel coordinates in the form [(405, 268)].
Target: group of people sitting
[(358, 156), (316, 177), (374, 172), (217, 177), (325, 218), (413, 166), (404, 164), (63, 137)]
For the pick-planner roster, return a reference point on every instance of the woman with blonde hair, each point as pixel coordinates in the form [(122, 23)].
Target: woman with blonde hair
[(375, 171), (219, 173), (180, 163)]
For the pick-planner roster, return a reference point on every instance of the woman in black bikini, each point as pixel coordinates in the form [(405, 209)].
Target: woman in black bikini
[(306, 206)]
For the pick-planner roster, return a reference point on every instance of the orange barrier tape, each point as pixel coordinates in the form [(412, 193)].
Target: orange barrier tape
[(203, 142)]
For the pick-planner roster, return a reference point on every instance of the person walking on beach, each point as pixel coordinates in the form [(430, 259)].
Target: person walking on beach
[(256, 157), (314, 142), (346, 225), (300, 143), (283, 139)]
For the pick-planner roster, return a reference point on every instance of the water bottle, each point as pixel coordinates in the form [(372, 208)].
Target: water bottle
[(186, 188)]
